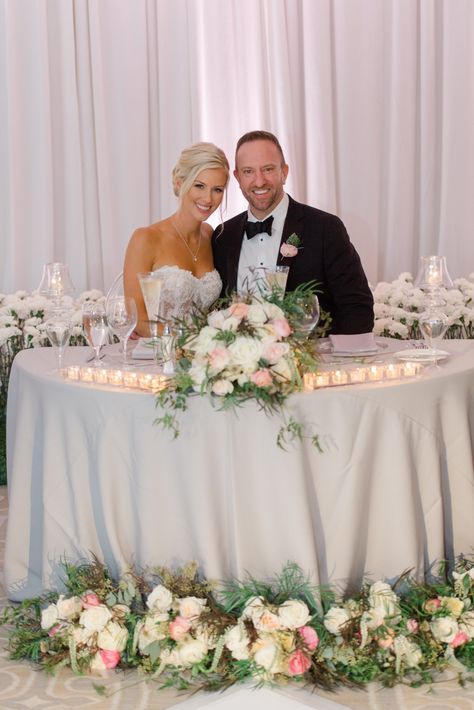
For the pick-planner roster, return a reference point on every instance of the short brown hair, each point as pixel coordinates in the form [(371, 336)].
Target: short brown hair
[(259, 136)]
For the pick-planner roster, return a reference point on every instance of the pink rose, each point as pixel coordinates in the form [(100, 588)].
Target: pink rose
[(52, 632), (179, 628), (239, 310), (309, 636), (90, 600), (412, 626), (109, 658), (274, 351), (218, 358), (281, 327), (460, 639), (288, 249), (262, 378), (298, 663), (385, 642), (432, 605)]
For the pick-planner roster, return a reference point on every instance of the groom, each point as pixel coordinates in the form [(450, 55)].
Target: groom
[(278, 230)]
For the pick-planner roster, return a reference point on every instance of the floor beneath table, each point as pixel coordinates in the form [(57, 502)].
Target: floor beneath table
[(22, 686)]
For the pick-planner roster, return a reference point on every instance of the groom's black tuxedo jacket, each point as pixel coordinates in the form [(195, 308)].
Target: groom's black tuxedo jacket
[(326, 255)]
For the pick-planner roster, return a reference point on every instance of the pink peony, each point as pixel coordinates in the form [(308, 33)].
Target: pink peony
[(281, 327), (179, 628), (298, 663), (412, 626), (432, 605), (110, 658), (309, 636), (239, 310), (288, 250), (218, 358), (90, 600), (460, 639), (262, 378)]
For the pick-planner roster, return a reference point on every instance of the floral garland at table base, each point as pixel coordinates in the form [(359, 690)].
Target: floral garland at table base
[(176, 628)]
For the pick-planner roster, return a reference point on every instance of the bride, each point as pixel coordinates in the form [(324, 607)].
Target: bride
[(178, 248)]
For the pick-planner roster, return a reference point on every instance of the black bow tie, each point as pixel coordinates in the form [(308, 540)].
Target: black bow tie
[(253, 228)]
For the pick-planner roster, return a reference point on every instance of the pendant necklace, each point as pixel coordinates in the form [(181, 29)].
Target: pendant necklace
[(193, 254)]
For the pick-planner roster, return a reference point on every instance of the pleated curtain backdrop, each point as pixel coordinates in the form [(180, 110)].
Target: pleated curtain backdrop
[(373, 101)]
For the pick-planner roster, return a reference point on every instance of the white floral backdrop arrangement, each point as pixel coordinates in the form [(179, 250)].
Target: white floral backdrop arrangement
[(398, 304)]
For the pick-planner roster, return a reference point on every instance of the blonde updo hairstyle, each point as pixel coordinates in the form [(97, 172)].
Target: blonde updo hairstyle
[(192, 161)]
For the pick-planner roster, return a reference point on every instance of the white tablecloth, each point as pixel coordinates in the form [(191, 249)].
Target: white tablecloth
[(89, 472)]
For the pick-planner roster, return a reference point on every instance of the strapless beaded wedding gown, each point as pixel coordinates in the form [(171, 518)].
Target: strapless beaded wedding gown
[(181, 291)]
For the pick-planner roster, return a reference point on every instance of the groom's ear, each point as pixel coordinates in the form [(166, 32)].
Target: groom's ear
[(285, 169)]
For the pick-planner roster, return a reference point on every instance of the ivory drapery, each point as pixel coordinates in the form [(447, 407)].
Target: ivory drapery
[(373, 101)]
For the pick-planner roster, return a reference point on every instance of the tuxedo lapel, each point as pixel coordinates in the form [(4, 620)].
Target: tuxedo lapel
[(233, 252), (292, 225)]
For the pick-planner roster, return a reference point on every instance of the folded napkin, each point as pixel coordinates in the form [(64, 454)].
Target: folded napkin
[(359, 344), (143, 350)]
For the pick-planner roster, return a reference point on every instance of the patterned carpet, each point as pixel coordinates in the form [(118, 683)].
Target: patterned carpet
[(22, 686)]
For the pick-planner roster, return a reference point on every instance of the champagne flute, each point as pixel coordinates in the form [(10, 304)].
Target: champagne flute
[(433, 325), (307, 320), (277, 277), (58, 329), (150, 286), (121, 312), (94, 324)]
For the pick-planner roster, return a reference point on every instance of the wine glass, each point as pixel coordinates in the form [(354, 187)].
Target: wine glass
[(121, 312), (308, 317), (94, 324), (433, 325), (58, 329)]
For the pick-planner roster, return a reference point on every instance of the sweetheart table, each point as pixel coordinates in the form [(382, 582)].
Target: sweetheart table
[(88, 472)]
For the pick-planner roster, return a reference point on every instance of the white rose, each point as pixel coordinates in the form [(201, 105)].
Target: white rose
[(49, 616), (383, 600), (222, 387), (282, 370), (215, 319), (81, 635), (266, 654), (272, 310), (466, 623), (293, 614), (246, 353), (454, 605), (171, 658), (444, 628), (407, 651), (191, 607), (256, 314), (205, 340), (198, 373), (253, 603), (230, 323), (96, 617), (159, 599), (153, 628), (113, 637), (68, 608), (193, 651), (237, 641), (335, 619), (265, 620)]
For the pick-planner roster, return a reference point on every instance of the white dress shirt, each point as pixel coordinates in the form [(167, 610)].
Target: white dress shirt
[(261, 252)]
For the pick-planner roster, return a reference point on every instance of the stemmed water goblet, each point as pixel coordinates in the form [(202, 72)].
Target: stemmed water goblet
[(121, 312), (94, 324), (58, 330), (433, 325), (309, 312)]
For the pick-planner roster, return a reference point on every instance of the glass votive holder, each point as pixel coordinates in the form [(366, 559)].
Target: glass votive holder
[(339, 377), (375, 373), (115, 377), (73, 372), (145, 380), (392, 371), (100, 376), (357, 375), (130, 379), (87, 374)]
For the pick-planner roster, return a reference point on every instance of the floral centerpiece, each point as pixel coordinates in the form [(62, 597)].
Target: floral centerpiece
[(181, 629), (249, 348), (398, 304)]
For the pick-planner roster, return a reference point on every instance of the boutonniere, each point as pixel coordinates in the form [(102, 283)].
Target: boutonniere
[(291, 246)]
